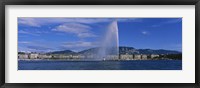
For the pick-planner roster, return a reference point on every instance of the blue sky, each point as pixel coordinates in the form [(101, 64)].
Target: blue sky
[(52, 34)]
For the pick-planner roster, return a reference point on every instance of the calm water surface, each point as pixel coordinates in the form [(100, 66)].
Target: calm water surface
[(100, 65)]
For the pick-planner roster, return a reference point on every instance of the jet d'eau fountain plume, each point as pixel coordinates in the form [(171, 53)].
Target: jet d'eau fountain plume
[(109, 47)]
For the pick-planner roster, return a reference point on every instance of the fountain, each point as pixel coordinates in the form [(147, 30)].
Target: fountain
[(109, 47)]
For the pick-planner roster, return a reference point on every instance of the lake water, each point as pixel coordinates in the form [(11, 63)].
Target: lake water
[(100, 65)]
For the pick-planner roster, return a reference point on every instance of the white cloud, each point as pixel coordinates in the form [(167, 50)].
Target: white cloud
[(23, 32), (41, 32), (78, 45), (26, 32), (78, 29), (24, 42), (29, 22), (83, 35), (40, 48), (145, 32), (37, 22), (72, 28), (35, 33)]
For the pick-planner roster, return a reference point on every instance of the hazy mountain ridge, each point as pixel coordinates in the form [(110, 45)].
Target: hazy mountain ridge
[(63, 52), (122, 50), (89, 51), (159, 51)]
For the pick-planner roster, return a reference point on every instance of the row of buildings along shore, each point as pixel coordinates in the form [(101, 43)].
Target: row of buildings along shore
[(76, 57)]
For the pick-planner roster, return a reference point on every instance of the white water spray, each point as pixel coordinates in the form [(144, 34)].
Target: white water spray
[(109, 47)]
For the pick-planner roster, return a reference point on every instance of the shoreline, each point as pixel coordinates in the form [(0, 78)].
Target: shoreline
[(88, 60)]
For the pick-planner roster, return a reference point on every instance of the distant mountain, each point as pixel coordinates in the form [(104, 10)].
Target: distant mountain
[(89, 51), (122, 50), (63, 52), (160, 51), (128, 50)]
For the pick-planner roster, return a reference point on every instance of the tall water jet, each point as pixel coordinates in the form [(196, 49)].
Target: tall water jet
[(109, 47)]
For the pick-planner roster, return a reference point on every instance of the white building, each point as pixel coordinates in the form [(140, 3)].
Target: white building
[(22, 56), (144, 57), (154, 55), (137, 57), (126, 57), (33, 56)]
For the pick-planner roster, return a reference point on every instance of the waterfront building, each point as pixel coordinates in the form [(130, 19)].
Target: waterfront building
[(81, 56), (22, 56), (154, 55), (144, 57), (33, 56), (137, 57), (126, 57), (43, 56), (112, 57), (62, 56), (75, 57)]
